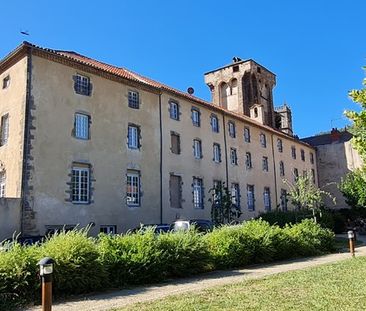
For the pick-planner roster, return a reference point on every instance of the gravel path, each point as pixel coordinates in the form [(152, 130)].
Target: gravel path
[(120, 298)]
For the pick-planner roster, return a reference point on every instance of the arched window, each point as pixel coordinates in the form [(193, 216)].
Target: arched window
[(234, 87)]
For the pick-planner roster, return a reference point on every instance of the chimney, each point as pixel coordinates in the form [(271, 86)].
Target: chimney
[(335, 135)]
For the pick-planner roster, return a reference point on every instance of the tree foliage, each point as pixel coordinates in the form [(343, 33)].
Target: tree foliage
[(304, 194), (353, 188), (223, 210), (358, 119)]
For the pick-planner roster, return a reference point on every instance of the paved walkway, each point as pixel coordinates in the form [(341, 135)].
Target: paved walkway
[(120, 298)]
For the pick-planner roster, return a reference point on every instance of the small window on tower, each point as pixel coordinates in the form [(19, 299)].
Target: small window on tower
[(236, 69)]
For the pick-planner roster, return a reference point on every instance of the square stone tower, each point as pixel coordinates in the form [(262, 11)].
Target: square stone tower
[(242, 85)]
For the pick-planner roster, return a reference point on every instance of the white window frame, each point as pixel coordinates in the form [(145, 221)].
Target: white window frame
[(79, 186), (232, 129), (133, 99), (4, 129), (263, 140), (197, 193), (196, 117), (81, 124), (2, 184), (216, 153), (250, 198), (247, 134), (233, 156), (82, 85), (133, 137), (174, 110), (133, 189), (197, 149), (267, 198), (215, 124), (248, 160)]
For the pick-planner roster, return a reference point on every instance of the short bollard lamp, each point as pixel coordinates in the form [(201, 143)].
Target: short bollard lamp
[(351, 238), (46, 271)]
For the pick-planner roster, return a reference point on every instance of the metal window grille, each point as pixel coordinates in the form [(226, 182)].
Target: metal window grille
[(81, 126), (248, 160), (133, 99), (250, 197), (265, 164), (80, 185), (233, 156), (133, 137), (4, 129), (197, 193), (235, 195), (133, 189)]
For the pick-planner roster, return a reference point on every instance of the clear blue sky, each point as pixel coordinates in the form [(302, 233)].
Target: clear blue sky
[(316, 48)]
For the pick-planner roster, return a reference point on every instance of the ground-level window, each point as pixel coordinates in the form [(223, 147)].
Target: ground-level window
[(108, 229), (133, 188), (175, 190), (250, 197), (267, 199), (197, 192), (235, 195), (80, 183)]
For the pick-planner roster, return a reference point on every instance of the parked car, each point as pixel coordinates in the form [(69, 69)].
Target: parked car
[(158, 228), (202, 225)]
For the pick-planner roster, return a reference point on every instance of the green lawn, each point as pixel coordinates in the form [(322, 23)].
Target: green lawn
[(339, 286)]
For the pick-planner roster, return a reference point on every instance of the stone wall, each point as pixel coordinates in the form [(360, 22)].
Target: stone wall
[(10, 217)]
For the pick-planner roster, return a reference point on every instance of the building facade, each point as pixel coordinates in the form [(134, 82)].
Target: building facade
[(84, 142), (336, 157)]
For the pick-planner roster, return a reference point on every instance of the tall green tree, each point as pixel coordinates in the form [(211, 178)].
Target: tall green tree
[(353, 188), (358, 128)]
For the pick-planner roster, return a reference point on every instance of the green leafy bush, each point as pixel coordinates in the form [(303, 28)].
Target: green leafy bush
[(77, 268)]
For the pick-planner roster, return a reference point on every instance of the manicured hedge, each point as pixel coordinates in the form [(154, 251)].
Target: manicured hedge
[(84, 264)]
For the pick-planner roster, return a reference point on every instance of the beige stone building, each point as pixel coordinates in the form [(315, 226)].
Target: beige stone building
[(336, 157), (84, 142)]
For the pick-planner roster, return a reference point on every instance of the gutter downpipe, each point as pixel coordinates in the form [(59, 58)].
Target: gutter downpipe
[(161, 160)]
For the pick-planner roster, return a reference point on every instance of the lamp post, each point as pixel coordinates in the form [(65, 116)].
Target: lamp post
[(46, 271), (351, 237)]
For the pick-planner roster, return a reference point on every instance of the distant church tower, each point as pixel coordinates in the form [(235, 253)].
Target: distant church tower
[(244, 87)]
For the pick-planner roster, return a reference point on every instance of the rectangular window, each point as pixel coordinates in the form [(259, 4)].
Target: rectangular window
[(133, 137), (217, 192), (133, 100), (80, 184), (311, 158), (174, 110), (265, 164), (250, 198), (248, 160), (283, 199), (282, 169), (235, 195), (263, 140), (82, 85), (196, 117), (216, 153), (175, 143), (267, 199), (175, 190), (302, 154), (233, 156), (247, 134), (214, 123), (81, 126), (4, 129), (197, 149), (2, 184), (197, 193), (313, 175), (279, 145), (108, 229), (293, 152), (232, 129), (133, 188), (6, 82), (296, 174)]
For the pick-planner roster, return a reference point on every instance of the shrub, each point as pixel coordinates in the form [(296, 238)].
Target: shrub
[(132, 258), (18, 276), (77, 268)]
